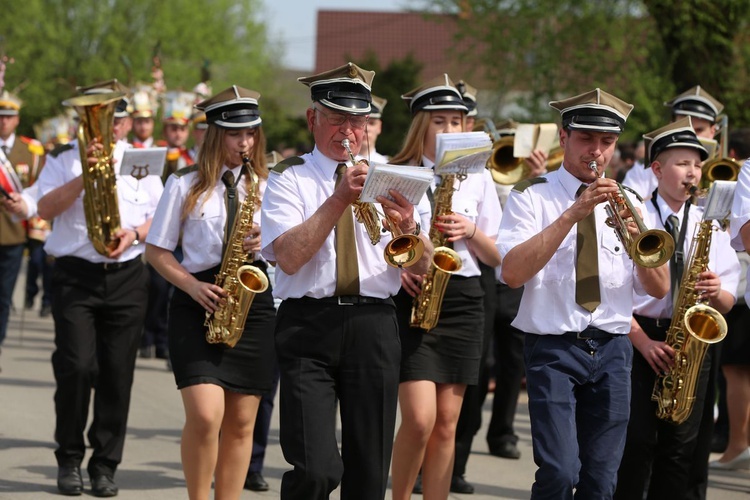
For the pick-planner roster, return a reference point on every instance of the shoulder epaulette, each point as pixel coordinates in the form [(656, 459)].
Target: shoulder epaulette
[(186, 170), (289, 162), (61, 149), (521, 186), (628, 188)]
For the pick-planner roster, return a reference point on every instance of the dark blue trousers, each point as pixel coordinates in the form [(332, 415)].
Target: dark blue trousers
[(579, 403), (10, 263)]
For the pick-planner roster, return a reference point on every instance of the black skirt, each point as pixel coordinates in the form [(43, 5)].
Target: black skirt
[(449, 353), (735, 349), (246, 368)]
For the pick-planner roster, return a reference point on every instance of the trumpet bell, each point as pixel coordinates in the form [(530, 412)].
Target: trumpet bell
[(652, 248), (403, 251)]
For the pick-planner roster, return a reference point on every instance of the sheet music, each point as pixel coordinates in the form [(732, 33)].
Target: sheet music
[(139, 163), (454, 149), (719, 201), (533, 136), (411, 182)]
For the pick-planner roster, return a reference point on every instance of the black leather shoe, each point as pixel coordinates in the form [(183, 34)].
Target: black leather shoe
[(69, 481), (28, 303), (417, 485), (162, 353), (255, 482), (505, 450), (45, 311), (460, 485), (103, 486)]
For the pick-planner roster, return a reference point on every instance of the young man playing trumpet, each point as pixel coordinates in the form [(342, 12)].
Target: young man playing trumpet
[(576, 351)]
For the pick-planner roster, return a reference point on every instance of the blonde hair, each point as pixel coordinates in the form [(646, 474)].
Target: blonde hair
[(211, 157), (413, 149)]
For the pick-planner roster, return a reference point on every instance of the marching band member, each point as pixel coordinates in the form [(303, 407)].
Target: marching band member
[(220, 386), (336, 335), (703, 109), (436, 366), (98, 306), (658, 454), (576, 349)]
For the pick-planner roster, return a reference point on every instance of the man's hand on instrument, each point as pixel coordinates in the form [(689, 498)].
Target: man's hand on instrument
[(350, 186), (400, 211), (412, 283)]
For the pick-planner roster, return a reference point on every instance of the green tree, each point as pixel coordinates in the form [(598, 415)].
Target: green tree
[(58, 44), (644, 51)]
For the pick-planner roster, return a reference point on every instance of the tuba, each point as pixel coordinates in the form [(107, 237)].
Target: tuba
[(651, 247), (241, 281), (505, 168), (425, 310), (695, 325), (101, 208), (403, 250)]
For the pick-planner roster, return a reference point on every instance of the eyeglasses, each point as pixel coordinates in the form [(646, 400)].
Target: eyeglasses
[(338, 119)]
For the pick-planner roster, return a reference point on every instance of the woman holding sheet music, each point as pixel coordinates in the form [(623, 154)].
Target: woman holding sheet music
[(437, 365)]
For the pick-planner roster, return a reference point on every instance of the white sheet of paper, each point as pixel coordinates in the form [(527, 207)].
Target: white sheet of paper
[(532, 136), (719, 201), (411, 182), (139, 163)]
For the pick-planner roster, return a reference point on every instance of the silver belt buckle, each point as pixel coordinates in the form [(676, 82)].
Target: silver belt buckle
[(344, 303)]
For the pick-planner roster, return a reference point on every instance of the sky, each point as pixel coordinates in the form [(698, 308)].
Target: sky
[(292, 23)]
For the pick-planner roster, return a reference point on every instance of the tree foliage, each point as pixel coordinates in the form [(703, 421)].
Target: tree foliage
[(643, 51), (398, 77), (59, 44)]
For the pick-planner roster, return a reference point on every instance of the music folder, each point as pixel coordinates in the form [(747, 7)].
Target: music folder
[(139, 163)]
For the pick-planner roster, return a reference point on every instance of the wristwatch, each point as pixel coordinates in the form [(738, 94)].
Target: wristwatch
[(417, 230), (137, 239)]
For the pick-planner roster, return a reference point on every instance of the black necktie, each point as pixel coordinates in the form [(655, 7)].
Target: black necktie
[(347, 267), (6, 150), (231, 201), (587, 262), (675, 265)]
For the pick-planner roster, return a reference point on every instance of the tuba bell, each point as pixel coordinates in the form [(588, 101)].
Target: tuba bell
[(505, 168), (101, 208)]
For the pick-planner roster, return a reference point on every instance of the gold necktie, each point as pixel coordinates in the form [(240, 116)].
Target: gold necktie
[(587, 263), (347, 268)]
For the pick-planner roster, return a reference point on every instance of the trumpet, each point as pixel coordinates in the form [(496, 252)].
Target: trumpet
[(651, 247), (403, 250), (721, 167)]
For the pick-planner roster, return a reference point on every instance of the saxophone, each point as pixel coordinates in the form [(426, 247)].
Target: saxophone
[(695, 325), (100, 205), (425, 310), (241, 281)]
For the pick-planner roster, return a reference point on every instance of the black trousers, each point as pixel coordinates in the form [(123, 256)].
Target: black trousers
[(98, 317), (333, 354), (658, 455), (509, 367), (470, 418)]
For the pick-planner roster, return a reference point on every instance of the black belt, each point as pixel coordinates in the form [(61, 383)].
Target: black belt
[(590, 333), (96, 266), (653, 322), (343, 300)]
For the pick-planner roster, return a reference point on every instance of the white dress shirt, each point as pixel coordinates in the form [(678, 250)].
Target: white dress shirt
[(202, 231), (548, 305), (721, 258), (292, 197), (69, 237), (476, 199), (741, 214), (641, 180)]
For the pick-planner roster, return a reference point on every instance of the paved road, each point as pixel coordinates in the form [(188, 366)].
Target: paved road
[(151, 466)]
